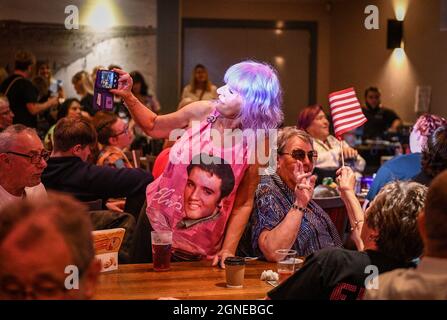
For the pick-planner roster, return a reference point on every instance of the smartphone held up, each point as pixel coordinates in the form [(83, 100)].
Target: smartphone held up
[(105, 80)]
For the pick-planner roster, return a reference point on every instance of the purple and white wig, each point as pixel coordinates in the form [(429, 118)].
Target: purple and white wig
[(258, 85)]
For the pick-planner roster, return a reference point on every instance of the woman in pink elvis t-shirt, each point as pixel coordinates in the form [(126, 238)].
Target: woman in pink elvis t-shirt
[(192, 196)]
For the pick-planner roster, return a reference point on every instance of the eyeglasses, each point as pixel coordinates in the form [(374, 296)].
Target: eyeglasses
[(299, 154), (125, 131), (36, 158)]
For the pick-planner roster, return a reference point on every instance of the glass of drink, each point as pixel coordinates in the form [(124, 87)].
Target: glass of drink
[(285, 263), (161, 250)]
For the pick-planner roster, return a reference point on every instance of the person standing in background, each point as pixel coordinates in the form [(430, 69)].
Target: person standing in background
[(22, 94), (199, 88), (84, 88), (381, 120), (141, 90), (54, 86)]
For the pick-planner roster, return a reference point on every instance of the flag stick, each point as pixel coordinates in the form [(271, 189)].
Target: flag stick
[(134, 156), (342, 157)]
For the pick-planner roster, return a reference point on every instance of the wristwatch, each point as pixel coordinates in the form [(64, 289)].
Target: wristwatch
[(297, 207)]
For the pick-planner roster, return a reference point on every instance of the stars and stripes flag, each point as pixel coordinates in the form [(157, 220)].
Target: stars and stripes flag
[(346, 111)]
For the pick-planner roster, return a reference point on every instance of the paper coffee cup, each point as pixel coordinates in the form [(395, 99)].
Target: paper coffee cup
[(235, 272)]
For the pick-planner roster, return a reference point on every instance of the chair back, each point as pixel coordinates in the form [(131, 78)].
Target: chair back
[(336, 210)]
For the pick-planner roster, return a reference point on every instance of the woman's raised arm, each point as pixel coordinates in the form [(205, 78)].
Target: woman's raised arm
[(158, 126)]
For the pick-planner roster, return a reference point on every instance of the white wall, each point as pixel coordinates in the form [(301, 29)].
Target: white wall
[(359, 57), (133, 53), (130, 52), (127, 12), (299, 10)]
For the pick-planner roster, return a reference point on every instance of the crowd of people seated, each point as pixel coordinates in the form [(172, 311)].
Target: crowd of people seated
[(219, 199)]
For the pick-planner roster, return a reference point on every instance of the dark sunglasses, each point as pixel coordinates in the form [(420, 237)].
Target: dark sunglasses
[(299, 154)]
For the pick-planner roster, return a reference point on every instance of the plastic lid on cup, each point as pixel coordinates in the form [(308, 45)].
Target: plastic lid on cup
[(234, 261)]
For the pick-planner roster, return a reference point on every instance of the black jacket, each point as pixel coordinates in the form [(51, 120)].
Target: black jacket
[(335, 274), (88, 182)]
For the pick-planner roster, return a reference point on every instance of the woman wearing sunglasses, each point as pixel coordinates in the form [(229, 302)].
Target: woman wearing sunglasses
[(249, 101), (285, 217), (314, 121)]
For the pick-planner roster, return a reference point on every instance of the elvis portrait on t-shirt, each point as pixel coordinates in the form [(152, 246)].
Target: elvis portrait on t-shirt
[(210, 180)]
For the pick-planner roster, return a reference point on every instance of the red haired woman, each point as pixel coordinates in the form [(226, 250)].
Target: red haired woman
[(314, 121)]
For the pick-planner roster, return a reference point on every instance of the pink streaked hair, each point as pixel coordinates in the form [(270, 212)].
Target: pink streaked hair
[(427, 123), (259, 87)]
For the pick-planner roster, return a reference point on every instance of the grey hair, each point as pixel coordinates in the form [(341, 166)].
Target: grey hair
[(8, 137), (69, 216), (393, 213), (286, 133)]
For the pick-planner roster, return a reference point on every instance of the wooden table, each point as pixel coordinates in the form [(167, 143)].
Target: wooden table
[(185, 280)]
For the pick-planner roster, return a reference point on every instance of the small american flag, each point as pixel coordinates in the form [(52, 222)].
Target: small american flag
[(346, 111)]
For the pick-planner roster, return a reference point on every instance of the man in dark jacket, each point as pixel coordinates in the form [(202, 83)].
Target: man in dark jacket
[(68, 170)]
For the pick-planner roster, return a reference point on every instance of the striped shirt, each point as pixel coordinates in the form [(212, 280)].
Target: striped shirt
[(273, 200)]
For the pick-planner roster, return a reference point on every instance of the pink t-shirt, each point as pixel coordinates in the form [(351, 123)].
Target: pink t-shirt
[(191, 204)]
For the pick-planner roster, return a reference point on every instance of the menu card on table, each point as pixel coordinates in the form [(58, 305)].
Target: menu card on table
[(107, 244)]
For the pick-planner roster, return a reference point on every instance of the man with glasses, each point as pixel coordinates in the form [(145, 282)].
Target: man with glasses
[(6, 114), (22, 161), (284, 216), (69, 171), (46, 250), (115, 137)]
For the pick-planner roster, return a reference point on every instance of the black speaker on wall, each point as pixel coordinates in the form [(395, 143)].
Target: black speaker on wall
[(395, 33)]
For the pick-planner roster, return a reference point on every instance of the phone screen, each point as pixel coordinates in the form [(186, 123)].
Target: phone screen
[(102, 98), (108, 79)]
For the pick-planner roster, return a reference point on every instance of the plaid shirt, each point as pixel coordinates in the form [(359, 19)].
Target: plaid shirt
[(273, 201), (113, 157)]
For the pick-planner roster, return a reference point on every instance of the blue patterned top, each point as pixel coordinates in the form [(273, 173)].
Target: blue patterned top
[(273, 200)]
